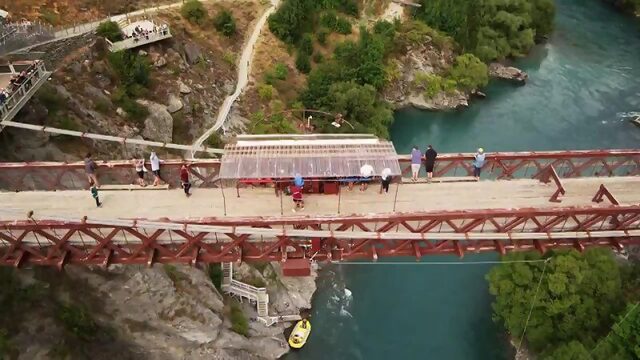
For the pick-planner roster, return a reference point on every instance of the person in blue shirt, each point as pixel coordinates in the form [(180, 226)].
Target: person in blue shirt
[(478, 163), (416, 161)]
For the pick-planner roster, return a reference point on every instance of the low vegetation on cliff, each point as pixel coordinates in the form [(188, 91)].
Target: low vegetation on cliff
[(586, 306)]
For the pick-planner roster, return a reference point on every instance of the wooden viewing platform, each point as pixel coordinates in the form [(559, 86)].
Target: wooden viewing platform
[(253, 202)]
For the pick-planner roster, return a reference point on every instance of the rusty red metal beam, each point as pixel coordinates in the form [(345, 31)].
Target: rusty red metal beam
[(56, 243)]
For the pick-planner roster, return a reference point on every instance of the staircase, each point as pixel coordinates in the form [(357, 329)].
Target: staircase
[(259, 296)]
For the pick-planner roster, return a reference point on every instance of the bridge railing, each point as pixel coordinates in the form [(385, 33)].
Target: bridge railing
[(523, 165), (503, 166), (53, 176)]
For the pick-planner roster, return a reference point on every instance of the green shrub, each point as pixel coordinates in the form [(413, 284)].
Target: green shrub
[(215, 274), (329, 20), (102, 106), (265, 91), (224, 23), (49, 97), (321, 36), (306, 44), (193, 11), (229, 58), (49, 17), (302, 63), (110, 30), (239, 322), (130, 68), (77, 321), (343, 26), (65, 122), (469, 72), (318, 58), (215, 141), (280, 71)]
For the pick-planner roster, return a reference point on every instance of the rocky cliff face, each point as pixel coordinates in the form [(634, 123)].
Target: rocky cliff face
[(429, 59), (423, 58), (168, 312)]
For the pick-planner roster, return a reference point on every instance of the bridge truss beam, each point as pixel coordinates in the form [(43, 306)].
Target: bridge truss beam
[(56, 242)]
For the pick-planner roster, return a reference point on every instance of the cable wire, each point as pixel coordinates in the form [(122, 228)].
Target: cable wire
[(535, 297)]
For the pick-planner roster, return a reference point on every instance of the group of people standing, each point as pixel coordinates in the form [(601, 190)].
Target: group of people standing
[(91, 168), (430, 156)]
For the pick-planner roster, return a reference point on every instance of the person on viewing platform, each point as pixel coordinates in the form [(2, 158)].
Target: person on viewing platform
[(155, 168), (430, 161), (366, 172), (385, 176), (478, 163), (184, 179), (416, 160), (90, 168), (140, 170)]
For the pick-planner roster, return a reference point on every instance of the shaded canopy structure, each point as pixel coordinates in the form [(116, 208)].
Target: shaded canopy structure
[(312, 156)]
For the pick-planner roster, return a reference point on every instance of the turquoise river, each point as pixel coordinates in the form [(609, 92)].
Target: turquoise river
[(583, 85)]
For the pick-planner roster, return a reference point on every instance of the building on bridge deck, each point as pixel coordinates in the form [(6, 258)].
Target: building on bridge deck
[(324, 161), (139, 33), (19, 80)]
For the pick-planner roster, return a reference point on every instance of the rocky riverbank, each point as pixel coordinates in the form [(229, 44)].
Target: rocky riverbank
[(430, 59)]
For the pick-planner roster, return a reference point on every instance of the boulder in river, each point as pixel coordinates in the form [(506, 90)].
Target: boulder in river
[(511, 73)]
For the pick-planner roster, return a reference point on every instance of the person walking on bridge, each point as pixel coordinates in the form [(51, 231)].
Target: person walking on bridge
[(94, 193), (184, 179), (416, 160), (478, 163), (385, 176), (430, 161), (155, 168), (90, 168), (140, 170)]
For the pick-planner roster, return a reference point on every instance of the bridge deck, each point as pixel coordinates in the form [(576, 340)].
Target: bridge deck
[(262, 201)]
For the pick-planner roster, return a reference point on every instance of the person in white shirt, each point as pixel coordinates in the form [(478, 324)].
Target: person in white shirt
[(366, 172), (140, 170), (386, 180), (155, 168)]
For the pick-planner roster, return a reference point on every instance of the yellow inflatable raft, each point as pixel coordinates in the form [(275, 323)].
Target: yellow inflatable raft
[(300, 334)]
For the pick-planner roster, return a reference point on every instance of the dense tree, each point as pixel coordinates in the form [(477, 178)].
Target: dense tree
[(109, 30), (194, 11), (624, 339), (492, 29), (224, 23), (359, 104), (303, 63), (292, 19), (578, 296), (306, 44), (469, 72), (573, 350)]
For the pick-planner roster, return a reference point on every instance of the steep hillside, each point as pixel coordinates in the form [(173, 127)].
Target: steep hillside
[(173, 100)]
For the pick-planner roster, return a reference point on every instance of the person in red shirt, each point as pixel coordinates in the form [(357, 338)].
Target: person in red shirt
[(296, 193), (184, 179)]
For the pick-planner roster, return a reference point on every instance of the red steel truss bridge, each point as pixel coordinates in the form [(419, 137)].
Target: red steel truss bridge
[(525, 201)]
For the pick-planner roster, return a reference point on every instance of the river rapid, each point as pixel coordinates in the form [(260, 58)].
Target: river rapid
[(584, 84)]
